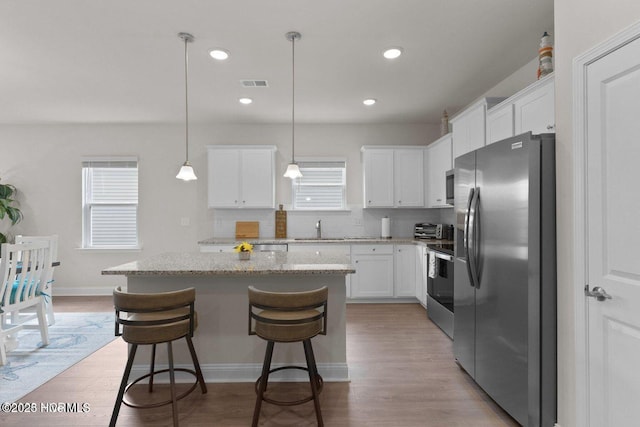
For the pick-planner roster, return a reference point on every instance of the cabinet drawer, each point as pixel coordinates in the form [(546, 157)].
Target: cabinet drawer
[(372, 249)]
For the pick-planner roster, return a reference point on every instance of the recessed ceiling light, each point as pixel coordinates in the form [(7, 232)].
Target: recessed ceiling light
[(219, 54), (245, 101), (392, 53), (369, 101)]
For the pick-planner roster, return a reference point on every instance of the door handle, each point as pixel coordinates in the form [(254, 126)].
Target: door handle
[(597, 292), (466, 236), (472, 241)]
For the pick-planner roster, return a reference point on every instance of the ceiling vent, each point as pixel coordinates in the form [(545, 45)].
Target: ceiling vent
[(254, 83)]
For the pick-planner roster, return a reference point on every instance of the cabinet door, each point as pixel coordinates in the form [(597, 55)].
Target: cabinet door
[(378, 178), (439, 160), (469, 131), (405, 267), (224, 175), (373, 277), (535, 112), (500, 123), (408, 178), (217, 248), (421, 274), (257, 179)]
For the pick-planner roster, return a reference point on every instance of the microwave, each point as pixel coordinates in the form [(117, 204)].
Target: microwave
[(425, 230), (449, 176)]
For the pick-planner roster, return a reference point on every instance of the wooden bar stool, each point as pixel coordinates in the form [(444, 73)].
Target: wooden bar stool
[(288, 317), (150, 319)]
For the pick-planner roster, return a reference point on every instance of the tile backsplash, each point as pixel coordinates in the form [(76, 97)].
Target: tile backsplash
[(355, 222)]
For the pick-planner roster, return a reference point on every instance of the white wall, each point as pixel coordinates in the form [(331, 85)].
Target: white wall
[(579, 24), (44, 163)]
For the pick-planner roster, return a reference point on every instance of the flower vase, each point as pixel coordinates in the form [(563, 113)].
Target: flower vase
[(244, 255)]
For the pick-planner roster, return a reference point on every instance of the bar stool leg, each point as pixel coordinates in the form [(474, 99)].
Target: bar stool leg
[(313, 378), (264, 378), (196, 365), (123, 385), (153, 367), (172, 379)]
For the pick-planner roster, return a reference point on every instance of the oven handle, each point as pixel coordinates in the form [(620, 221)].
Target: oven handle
[(443, 256)]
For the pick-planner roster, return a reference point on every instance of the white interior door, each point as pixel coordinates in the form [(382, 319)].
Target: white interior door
[(613, 237)]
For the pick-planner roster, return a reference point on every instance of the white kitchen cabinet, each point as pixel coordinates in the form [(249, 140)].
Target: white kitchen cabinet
[(500, 123), (217, 248), (241, 176), (374, 271), (421, 270), (393, 177), (405, 267), (530, 110), (534, 108), (469, 126), (438, 160)]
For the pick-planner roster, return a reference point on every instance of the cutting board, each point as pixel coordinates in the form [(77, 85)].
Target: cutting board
[(247, 229)]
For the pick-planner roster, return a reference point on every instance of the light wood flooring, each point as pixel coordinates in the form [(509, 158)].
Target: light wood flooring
[(402, 375)]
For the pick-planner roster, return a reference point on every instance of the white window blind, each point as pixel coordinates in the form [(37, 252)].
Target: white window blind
[(110, 203), (322, 186)]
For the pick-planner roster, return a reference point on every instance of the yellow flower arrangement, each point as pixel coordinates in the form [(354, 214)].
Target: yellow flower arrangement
[(244, 247)]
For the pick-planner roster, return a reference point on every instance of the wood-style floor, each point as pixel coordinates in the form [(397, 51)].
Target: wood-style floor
[(401, 367)]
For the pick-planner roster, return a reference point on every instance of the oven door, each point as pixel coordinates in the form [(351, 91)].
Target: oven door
[(440, 281)]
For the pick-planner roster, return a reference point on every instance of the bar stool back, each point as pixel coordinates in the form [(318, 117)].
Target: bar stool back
[(150, 319), (288, 317)]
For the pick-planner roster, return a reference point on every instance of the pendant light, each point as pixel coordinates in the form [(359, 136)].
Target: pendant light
[(186, 171), (293, 171)]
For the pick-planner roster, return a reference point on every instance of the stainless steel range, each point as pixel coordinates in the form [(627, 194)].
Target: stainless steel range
[(440, 286)]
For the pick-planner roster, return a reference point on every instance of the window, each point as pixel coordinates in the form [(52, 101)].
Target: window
[(110, 203), (323, 185)]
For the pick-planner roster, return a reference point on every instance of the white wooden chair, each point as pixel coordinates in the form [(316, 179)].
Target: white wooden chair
[(22, 268), (47, 289)]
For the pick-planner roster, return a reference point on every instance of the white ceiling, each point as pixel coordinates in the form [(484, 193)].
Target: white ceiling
[(120, 61)]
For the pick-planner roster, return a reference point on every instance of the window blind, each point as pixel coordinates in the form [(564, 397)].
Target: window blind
[(322, 186), (110, 203)]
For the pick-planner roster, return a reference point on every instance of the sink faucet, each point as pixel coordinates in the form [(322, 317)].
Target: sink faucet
[(319, 229)]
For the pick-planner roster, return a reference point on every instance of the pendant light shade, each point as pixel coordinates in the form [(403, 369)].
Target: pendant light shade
[(293, 171), (186, 172)]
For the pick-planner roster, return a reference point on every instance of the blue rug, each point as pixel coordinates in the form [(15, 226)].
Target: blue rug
[(73, 337)]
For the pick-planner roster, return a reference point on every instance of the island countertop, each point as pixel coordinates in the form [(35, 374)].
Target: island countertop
[(261, 263)]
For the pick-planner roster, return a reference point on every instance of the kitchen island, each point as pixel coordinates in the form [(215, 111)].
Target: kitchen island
[(225, 350)]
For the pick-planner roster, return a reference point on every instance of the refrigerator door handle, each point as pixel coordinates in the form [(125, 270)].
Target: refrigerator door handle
[(472, 262), (466, 235)]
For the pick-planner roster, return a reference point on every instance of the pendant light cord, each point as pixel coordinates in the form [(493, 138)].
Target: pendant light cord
[(293, 98), (186, 95)]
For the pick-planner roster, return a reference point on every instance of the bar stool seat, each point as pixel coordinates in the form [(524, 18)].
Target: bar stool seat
[(287, 317), (151, 319)]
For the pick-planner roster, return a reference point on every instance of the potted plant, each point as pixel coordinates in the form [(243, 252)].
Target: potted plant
[(8, 208), (244, 250)]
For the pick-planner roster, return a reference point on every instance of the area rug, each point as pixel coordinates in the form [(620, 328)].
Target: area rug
[(73, 337)]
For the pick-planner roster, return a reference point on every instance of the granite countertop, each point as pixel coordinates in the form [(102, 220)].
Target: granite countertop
[(261, 263), (347, 240)]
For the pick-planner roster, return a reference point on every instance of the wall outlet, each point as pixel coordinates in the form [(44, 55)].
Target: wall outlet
[(184, 221), (357, 222)]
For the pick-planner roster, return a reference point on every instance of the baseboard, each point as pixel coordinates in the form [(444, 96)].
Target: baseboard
[(403, 300), (248, 372)]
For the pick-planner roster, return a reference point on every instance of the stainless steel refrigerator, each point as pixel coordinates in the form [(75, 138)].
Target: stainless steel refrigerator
[(505, 274)]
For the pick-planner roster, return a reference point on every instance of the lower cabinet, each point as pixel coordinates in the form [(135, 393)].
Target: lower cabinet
[(405, 267), (374, 271), (217, 248), (421, 270)]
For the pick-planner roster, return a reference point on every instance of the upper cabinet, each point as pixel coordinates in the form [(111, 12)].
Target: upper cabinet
[(469, 131), (393, 177), (531, 109), (438, 160), (241, 176)]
